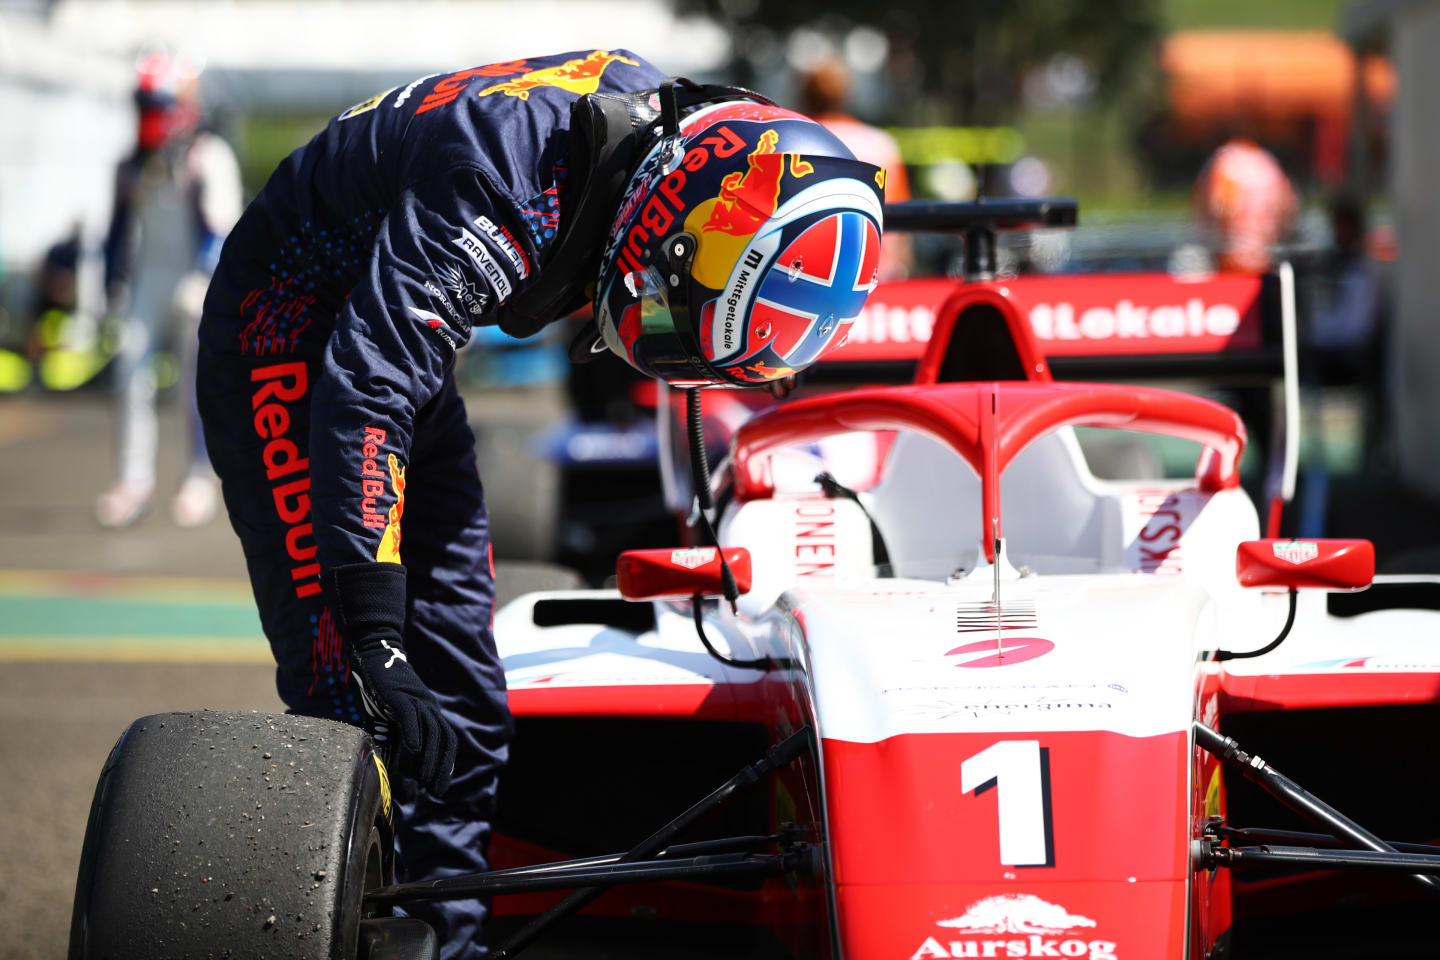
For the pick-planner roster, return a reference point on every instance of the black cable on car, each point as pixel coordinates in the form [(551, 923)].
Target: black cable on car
[(1221, 655), (880, 554), (704, 503)]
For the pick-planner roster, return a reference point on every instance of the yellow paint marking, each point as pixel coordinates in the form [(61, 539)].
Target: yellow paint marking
[(384, 789), (128, 586), (135, 649)]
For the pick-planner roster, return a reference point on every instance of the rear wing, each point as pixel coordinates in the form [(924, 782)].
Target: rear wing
[(1113, 326)]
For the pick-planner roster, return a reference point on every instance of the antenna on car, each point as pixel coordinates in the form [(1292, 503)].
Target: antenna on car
[(995, 544)]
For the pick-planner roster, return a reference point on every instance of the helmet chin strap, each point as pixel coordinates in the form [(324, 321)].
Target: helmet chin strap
[(587, 345), (679, 93)]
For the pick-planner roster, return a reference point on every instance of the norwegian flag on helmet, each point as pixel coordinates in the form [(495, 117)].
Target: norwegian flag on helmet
[(816, 288)]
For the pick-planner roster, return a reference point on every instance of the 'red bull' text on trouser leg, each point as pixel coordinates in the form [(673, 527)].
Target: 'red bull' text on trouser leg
[(446, 551)]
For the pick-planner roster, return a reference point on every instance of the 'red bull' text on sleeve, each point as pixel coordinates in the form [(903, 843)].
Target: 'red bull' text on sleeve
[(445, 257)]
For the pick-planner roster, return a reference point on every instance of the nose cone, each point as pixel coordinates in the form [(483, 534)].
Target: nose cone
[(973, 799)]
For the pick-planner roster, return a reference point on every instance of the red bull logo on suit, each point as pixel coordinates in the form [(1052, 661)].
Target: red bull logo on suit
[(277, 387), (573, 76)]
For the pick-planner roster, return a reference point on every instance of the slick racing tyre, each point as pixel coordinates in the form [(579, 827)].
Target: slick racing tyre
[(238, 835)]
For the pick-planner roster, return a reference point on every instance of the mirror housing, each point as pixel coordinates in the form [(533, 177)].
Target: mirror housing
[(666, 574), (1326, 564)]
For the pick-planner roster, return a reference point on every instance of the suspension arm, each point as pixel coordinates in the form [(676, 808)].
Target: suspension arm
[(724, 867), (1300, 800)]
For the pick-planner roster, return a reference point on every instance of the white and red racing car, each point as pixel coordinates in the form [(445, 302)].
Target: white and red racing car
[(981, 704)]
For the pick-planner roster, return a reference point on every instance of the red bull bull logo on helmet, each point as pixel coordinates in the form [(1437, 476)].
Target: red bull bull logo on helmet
[(747, 200), (724, 225), (579, 77), (667, 201)]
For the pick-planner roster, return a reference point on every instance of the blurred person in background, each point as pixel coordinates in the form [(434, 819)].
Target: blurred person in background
[(509, 194), (1245, 200), (57, 286), (1345, 330), (58, 281), (176, 197), (824, 92), (1344, 335)]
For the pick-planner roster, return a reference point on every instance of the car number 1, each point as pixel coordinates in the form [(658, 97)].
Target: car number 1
[(1020, 772)]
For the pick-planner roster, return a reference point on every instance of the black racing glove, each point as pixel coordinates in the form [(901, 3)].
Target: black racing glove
[(367, 601)]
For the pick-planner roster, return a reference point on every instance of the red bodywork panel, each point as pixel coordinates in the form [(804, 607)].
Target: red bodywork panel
[(932, 883), (795, 912), (1327, 564), (999, 297), (1317, 691), (702, 701), (921, 774), (679, 573)]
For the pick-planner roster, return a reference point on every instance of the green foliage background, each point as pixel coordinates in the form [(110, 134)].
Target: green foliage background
[(963, 62)]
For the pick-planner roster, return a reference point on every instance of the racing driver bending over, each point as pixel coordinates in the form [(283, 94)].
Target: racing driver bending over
[(722, 239)]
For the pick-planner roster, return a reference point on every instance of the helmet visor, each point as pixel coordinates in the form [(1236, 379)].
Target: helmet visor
[(644, 309)]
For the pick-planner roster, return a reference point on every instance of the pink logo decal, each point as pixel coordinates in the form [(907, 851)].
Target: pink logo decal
[(1012, 650)]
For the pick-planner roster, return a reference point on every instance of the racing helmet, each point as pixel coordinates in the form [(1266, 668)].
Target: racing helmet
[(745, 245), (166, 94)]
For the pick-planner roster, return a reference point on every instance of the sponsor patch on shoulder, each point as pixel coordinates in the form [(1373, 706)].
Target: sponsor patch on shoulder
[(489, 269), (410, 88), (458, 320), (506, 243), (435, 322), (473, 300), (364, 106)]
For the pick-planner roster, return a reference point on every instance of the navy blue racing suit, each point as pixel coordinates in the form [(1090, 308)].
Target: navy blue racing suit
[(325, 384)]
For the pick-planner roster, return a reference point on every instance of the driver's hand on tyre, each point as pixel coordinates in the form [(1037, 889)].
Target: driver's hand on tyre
[(395, 696), (368, 603)]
